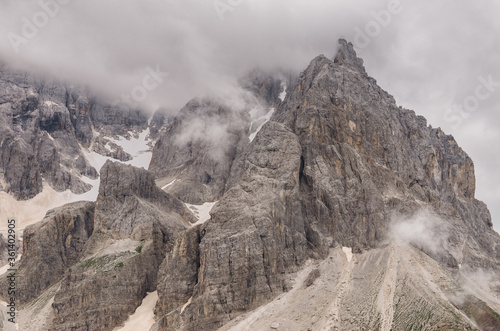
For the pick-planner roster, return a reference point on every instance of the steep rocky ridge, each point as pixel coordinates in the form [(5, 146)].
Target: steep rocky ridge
[(94, 262), (50, 247), (196, 148), (135, 224), (336, 165)]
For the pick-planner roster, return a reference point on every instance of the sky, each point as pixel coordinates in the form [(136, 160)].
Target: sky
[(440, 58)]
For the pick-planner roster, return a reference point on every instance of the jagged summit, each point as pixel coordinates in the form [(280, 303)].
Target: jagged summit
[(346, 55), (338, 164)]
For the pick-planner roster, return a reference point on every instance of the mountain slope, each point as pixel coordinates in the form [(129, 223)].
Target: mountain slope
[(338, 164)]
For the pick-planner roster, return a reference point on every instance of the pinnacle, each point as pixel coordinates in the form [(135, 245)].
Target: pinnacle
[(346, 55)]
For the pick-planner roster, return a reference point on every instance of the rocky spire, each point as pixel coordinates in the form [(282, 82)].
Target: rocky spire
[(346, 55)]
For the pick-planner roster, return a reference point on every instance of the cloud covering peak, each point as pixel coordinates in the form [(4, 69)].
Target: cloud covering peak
[(204, 46)]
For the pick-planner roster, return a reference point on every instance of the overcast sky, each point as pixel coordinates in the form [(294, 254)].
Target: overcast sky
[(440, 58)]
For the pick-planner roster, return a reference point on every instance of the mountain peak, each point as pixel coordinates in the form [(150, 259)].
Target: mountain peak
[(346, 55)]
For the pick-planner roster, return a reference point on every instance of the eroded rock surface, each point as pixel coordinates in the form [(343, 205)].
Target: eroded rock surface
[(339, 164), (197, 150), (50, 247)]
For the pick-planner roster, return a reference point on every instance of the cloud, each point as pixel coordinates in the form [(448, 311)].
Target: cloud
[(422, 229), (109, 44)]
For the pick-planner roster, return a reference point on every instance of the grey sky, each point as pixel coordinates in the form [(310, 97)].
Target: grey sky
[(431, 55)]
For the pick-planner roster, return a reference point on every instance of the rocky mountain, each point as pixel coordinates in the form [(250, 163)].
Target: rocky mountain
[(333, 209), (43, 126)]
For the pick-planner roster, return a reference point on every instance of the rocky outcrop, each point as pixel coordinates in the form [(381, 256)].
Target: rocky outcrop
[(197, 150), (266, 87), (4, 255), (178, 276), (50, 247), (344, 211), (21, 173), (338, 165), (130, 204), (255, 236), (97, 261), (379, 158), (135, 225)]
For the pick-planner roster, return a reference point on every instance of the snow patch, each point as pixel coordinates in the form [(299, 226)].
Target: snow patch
[(50, 103), (32, 211), (143, 317), (348, 253), (352, 125), (201, 212), (95, 159), (264, 118), (137, 147), (171, 183), (283, 94), (186, 304)]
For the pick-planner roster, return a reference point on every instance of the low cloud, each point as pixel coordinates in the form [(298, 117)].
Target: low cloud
[(423, 230), (109, 45)]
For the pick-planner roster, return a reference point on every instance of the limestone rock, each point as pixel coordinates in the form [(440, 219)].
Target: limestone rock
[(43, 126), (135, 225), (343, 199), (197, 150), (338, 164), (50, 247)]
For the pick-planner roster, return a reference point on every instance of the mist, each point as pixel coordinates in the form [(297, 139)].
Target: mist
[(423, 230), (201, 47)]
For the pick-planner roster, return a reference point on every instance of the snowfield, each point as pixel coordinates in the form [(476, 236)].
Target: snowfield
[(137, 147), (143, 317), (282, 95), (201, 212), (262, 120)]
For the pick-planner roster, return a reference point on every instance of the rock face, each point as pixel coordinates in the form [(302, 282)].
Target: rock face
[(336, 165), (43, 123), (50, 247), (252, 239), (3, 250), (135, 224), (264, 86), (98, 260), (198, 149)]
